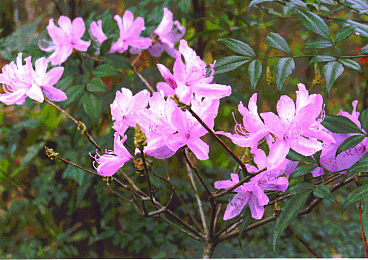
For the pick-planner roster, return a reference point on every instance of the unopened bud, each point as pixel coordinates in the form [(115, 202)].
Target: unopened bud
[(140, 139), (50, 153), (317, 75), (277, 209), (82, 127), (269, 75)]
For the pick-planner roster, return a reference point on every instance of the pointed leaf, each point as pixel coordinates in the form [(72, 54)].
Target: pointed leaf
[(92, 105), (344, 33), (239, 47), (118, 61), (96, 85), (317, 156), (230, 63), (300, 188), (314, 23), (106, 46), (302, 170), (332, 71), (322, 191), (254, 71), (318, 44), (274, 40), (360, 166), (254, 2), (283, 69), (294, 156), (350, 142), (363, 119), (105, 70), (74, 173), (340, 124), (321, 59), (358, 194), (288, 213), (74, 93), (363, 50), (365, 218), (351, 64)]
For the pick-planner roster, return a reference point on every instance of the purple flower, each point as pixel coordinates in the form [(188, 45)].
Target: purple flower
[(125, 109), (345, 159), (168, 33), (20, 81), (110, 163), (190, 78), (65, 38), (96, 32), (130, 31)]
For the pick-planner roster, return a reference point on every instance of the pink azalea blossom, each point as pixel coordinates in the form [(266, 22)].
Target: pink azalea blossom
[(65, 38), (168, 33), (130, 31), (125, 109), (190, 78), (96, 32), (110, 163), (253, 191), (345, 159), (20, 81)]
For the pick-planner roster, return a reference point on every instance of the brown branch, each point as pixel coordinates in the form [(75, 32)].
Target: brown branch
[(304, 243), (361, 227)]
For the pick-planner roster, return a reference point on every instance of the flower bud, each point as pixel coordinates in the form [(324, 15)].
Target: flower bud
[(140, 139)]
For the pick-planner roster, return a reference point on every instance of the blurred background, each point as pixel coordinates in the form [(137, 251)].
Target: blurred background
[(52, 210)]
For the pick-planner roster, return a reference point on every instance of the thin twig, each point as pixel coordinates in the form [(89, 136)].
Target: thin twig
[(78, 123), (150, 187), (304, 243), (361, 227), (182, 230), (198, 199), (236, 158)]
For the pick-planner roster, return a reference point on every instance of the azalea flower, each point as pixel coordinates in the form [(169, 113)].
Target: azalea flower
[(21, 81), (110, 163), (125, 109), (347, 158), (167, 34), (64, 39), (96, 32), (130, 31), (190, 78), (253, 191)]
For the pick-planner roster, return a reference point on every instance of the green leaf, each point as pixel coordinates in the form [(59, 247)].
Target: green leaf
[(80, 235), (350, 142), (363, 50), (344, 33), (118, 61), (360, 166), (321, 59), (302, 170), (318, 44), (105, 70), (92, 105), (300, 188), (254, 2), (239, 47), (332, 71), (74, 173), (230, 63), (322, 191), (96, 85), (74, 93), (358, 194), (283, 69), (363, 119), (65, 83), (314, 23), (294, 156), (351, 64), (254, 71), (32, 151), (106, 46), (274, 40), (247, 218), (317, 156), (340, 124), (365, 219), (288, 213)]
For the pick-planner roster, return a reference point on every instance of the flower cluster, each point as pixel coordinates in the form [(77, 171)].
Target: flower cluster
[(297, 127), (21, 81)]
